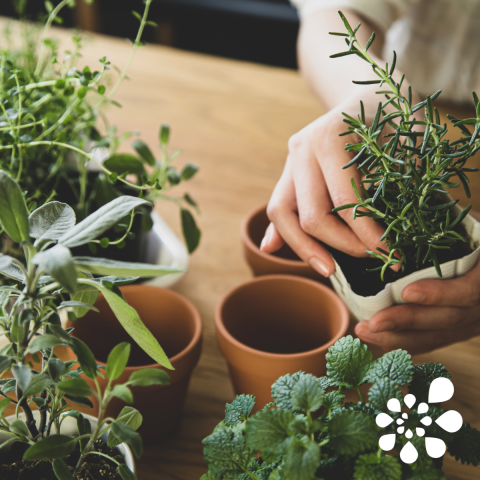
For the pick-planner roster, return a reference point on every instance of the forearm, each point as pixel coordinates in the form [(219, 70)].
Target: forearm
[(331, 79)]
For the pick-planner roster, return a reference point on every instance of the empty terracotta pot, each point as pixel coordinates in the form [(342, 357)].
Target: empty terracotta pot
[(176, 324), (274, 325), (284, 261)]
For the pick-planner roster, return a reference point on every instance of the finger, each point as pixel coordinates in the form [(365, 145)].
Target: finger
[(282, 213), (417, 341), (417, 317), (272, 241), (315, 207), (329, 151), (462, 291)]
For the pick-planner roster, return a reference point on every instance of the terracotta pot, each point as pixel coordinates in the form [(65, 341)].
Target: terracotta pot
[(68, 427), (284, 261), (274, 325), (177, 325)]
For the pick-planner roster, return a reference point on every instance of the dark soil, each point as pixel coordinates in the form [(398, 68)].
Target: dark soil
[(368, 284), (95, 467)]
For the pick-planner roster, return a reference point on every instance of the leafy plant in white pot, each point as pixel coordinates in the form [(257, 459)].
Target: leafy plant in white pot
[(407, 167), (49, 281)]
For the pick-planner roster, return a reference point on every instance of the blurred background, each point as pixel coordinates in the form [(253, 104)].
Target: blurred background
[(262, 31)]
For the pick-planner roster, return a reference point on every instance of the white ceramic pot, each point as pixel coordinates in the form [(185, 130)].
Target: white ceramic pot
[(69, 427), (363, 308)]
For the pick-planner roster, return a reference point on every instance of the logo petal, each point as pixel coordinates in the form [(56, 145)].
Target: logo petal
[(394, 405), (441, 390), (450, 421), (409, 400), (383, 420), (387, 442), (409, 453), (436, 448)]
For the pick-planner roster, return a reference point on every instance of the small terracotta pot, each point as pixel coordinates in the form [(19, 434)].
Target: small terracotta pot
[(177, 325), (274, 325), (284, 261)]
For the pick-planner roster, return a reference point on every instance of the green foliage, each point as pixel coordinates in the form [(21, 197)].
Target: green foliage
[(239, 409), (31, 322), (342, 440), (54, 129), (375, 467), (348, 362), (408, 166), (423, 376)]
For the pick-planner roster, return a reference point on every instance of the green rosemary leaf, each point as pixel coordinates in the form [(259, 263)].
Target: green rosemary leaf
[(370, 41), (344, 207), (355, 159), (461, 216), (366, 82), (338, 34)]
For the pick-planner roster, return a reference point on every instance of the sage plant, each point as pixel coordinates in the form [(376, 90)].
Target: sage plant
[(49, 281), (407, 172)]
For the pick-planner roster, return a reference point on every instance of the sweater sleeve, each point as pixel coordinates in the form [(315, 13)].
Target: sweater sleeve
[(381, 13)]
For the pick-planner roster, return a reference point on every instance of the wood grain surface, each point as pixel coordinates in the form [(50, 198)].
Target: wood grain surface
[(233, 119)]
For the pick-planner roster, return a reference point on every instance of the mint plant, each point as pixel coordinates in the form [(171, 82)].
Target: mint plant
[(407, 171), (52, 116), (50, 281), (310, 432)]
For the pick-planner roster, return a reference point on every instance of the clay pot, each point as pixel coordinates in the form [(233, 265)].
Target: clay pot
[(284, 261), (177, 325), (274, 325)]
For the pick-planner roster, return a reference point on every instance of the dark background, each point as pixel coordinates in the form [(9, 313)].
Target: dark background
[(262, 31)]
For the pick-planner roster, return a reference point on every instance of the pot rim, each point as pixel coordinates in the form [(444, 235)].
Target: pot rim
[(343, 324), (252, 246), (197, 335)]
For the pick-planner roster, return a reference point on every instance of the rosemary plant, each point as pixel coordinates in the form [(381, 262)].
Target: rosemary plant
[(50, 281), (407, 172), (52, 113)]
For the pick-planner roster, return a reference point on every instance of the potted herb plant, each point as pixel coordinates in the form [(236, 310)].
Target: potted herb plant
[(52, 116), (51, 280), (310, 432), (408, 166)]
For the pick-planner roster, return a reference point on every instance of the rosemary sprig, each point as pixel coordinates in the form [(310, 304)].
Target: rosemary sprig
[(408, 172)]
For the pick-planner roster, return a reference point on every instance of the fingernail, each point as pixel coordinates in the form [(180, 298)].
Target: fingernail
[(267, 237), (414, 296), (317, 265), (387, 326), (363, 331)]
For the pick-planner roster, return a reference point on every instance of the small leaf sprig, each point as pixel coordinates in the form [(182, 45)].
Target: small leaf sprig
[(407, 172), (298, 441)]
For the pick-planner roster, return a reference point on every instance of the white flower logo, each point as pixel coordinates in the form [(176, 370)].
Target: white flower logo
[(441, 390)]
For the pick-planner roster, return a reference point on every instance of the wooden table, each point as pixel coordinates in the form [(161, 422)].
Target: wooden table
[(234, 120)]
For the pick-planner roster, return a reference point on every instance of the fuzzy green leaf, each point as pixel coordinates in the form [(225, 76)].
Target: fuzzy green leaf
[(85, 357), (307, 394), (124, 163), (13, 210), (352, 432), (466, 446), (373, 467), (100, 221), (147, 377), (61, 470), (268, 430), (58, 262), (381, 392), (302, 460), (49, 448), (117, 360), (348, 362), (239, 409), (191, 232), (76, 387), (282, 390), (333, 401), (127, 434), (51, 221), (126, 473), (395, 365), (42, 342), (129, 416), (226, 452), (144, 151)]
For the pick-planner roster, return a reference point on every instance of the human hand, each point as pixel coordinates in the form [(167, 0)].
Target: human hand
[(439, 313), (312, 184)]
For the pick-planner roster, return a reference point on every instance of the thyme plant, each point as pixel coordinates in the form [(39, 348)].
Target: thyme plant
[(407, 172), (49, 281), (311, 432), (52, 113)]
